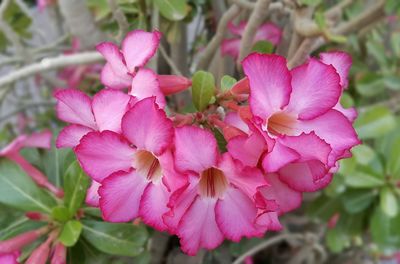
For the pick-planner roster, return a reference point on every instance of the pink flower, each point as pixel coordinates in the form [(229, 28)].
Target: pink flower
[(125, 68), (35, 140), (267, 31), (103, 112), (135, 169), (217, 202), (288, 103), (10, 258)]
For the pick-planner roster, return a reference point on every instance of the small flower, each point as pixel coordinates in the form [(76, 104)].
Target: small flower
[(267, 31)]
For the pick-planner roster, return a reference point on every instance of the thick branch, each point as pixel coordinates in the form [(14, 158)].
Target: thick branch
[(48, 64), (209, 51), (257, 17)]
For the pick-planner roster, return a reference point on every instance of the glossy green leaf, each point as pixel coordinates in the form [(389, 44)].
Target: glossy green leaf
[(363, 179), (393, 161), (370, 84), (355, 201), (363, 154), (388, 202), (346, 100), (374, 122), (70, 233), (385, 230), (203, 86), (324, 207), (19, 191), (336, 240), (116, 239), (76, 184), (61, 214), (173, 10), (263, 46), (227, 82), (56, 162), (392, 82), (221, 141)]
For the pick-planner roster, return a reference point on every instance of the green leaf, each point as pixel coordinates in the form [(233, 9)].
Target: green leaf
[(355, 201), (173, 10), (116, 239), (227, 82), (75, 187), (392, 82), (363, 154), (388, 202), (56, 162), (70, 233), (363, 179), (374, 122), (324, 207), (61, 214), (385, 231), (320, 19), (263, 46), (393, 161), (337, 240), (370, 84), (19, 191), (203, 86), (346, 100)]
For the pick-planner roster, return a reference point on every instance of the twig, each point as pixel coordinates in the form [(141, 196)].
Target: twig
[(244, 4), (266, 244), (209, 51), (170, 62), (52, 45), (120, 17), (51, 64), (306, 47), (25, 107), (257, 17), (337, 9)]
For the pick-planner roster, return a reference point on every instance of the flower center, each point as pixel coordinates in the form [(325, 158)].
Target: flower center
[(147, 165), (281, 123), (213, 183)]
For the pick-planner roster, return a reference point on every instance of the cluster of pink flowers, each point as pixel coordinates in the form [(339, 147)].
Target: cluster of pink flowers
[(285, 132)]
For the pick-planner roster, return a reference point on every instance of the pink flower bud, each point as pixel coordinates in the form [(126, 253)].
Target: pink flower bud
[(60, 254), (333, 221), (10, 258), (36, 216), (15, 243), (39, 255), (171, 84), (241, 87)]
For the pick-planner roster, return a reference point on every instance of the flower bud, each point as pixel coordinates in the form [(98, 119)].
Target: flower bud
[(15, 243), (171, 84), (60, 254)]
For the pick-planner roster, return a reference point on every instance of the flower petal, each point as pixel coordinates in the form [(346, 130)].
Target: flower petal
[(92, 195), (115, 73), (335, 129), (196, 226), (269, 221), (120, 196), (237, 29), (230, 47), (269, 80), (145, 84), (287, 198), (195, 149), (350, 113), (115, 80), (341, 61), (316, 89), (269, 32), (147, 126), (138, 47), (247, 149), (180, 200), (74, 106), (233, 119), (236, 214), (70, 136), (102, 153), (279, 157), (109, 106), (154, 205)]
